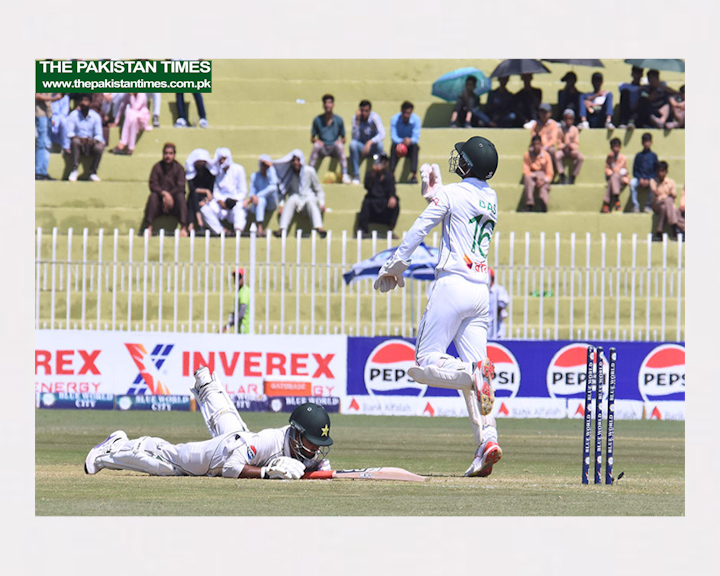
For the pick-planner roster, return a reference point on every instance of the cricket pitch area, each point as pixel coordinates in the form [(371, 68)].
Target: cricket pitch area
[(539, 474)]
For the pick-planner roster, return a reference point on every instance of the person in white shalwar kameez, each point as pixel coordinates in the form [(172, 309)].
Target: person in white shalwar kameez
[(229, 193)]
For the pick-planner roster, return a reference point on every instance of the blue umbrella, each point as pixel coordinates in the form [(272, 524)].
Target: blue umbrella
[(449, 86), (669, 64), (423, 264)]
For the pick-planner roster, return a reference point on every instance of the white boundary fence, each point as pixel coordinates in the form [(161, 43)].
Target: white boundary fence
[(530, 277)]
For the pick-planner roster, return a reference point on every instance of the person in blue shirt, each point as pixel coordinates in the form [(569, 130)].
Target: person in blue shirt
[(405, 134), (84, 129), (263, 192), (644, 169)]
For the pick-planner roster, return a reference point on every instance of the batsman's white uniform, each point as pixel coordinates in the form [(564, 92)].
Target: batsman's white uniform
[(230, 182), (457, 310), (232, 447)]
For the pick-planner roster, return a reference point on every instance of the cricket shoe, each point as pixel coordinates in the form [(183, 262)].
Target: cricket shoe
[(482, 464), (482, 377), (92, 466)]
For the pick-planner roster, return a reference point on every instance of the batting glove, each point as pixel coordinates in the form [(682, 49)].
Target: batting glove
[(283, 468), (324, 464), (391, 275), (431, 181)]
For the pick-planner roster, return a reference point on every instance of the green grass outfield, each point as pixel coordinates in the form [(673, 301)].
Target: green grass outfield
[(539, 474)]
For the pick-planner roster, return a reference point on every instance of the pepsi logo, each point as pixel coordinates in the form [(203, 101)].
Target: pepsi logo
[(386, 370), (507, 371), (662, 373), (566, 373)]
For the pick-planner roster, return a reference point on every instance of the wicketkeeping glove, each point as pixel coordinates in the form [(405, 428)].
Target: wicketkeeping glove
[(283, 468), (431, 181), (391, 275)]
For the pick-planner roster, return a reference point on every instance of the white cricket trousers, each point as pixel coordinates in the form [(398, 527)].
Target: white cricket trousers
[(457, 311), (213, 214)]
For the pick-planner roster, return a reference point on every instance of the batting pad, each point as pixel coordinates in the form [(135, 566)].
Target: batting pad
[(435, 376)]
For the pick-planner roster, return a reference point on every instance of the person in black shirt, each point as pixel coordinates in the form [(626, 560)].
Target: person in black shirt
[(380, 205)]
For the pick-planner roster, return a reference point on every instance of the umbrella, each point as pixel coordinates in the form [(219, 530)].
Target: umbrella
[(669, 64), (592, 62), (424, 260), (516, 67), (449, 86)]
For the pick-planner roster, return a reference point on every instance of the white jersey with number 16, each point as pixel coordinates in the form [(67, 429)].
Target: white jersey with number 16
[(468, 212)]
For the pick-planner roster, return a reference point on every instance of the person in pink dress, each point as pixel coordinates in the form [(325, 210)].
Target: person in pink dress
[(137, 119)]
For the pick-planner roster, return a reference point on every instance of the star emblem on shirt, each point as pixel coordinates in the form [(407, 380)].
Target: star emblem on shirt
[(325, 430)]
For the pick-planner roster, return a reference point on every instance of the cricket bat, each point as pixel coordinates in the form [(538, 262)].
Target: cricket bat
[(387, 473)]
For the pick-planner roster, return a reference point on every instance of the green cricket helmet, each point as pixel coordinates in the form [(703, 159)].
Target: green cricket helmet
[(310, 423), (475, 157)]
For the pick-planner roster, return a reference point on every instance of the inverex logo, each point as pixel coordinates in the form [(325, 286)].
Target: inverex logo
[(662, 373), (566, 373), (507, 370), (386, 370)]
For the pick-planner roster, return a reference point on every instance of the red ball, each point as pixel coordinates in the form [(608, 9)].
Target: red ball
[(401, 150)]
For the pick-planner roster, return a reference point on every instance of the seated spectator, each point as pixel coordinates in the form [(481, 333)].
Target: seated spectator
[(182, 121), (263, 192), (569, 147), (243, 306), (526, 101), (86, 139), (60, 113), (644, 167), (380, 205), (498, 301), (654, 104), (167, 191), (569, 97), (498, 108), (663, 204), (368, 133), (629, 98), (677, 105), (201, 182), (549, 132), (43, 129), (136, 120), (537, 174), (466, 104), (328, 137), (229, 192), (596, 107), (300, 191), (405, 135), (616, 174)]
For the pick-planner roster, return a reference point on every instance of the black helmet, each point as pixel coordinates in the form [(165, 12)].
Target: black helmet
[(311, 422), (477, 156)]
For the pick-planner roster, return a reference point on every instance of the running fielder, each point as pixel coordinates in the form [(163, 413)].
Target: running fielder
[(457, 309), (234, 452)]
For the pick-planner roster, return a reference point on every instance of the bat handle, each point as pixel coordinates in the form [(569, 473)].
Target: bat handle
[(319, 475)]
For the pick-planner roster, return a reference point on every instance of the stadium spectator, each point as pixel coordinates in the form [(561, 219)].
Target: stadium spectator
[(182, 120), (136, 118), (596, 107), (569, 96), (549, 132), (682, 203), (328, 137), (300, 191), (60, 113), (677, 105), (43, 130), (229, 192), (498, 108), (263, 192), (367, 136), (498, 303), (111, 108), (240, 317), (167, 191), (569, 147), (464, 115), (380, 205), (616, 174), (663, 204), (654, 104), (537, 175), (644, 168), (86, 138), (405, 135), (201, 182), (629, 98), (526, 101)]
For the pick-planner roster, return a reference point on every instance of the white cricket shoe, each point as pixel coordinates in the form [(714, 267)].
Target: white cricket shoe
[(482, 384), (92, 466), (202, 377), (482, 464)]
